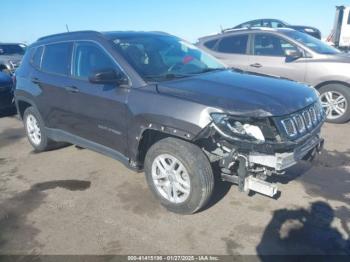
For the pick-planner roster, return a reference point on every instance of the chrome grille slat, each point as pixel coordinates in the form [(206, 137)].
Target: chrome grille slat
[(298, 119), (313, 115), (290, 127), (308, 119), (318, 110)]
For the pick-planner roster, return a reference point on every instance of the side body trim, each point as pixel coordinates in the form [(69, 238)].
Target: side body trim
[(62, 136)]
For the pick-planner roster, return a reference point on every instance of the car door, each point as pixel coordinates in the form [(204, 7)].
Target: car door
[(268, 57), (98, 110), (49, 78), (232, 50)]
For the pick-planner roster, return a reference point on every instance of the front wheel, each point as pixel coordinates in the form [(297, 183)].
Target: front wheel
[(179, 175), (335, 99)]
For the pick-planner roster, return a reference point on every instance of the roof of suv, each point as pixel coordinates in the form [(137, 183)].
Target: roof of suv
[(108, 35)]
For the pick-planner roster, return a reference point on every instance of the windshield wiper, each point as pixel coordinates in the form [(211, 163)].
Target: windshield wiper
[(167, 76), (209, 69)]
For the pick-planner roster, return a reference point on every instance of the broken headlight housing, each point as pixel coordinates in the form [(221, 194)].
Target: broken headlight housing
[(236, 128)]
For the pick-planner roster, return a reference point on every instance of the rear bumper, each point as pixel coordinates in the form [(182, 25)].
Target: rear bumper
[(282, 161)]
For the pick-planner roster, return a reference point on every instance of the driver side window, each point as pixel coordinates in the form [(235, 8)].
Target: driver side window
[(271, 45), (88, 59)]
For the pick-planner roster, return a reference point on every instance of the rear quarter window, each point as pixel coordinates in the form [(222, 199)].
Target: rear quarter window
[(211, 43), (36, 58), (57, 58)]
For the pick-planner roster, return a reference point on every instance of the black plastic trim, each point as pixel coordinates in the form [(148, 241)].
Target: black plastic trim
[(63, 136)]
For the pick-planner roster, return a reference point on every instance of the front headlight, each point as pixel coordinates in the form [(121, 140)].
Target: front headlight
[(233, 128)]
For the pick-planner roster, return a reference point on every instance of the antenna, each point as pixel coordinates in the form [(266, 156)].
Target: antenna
[(67, 28), (222, 29)]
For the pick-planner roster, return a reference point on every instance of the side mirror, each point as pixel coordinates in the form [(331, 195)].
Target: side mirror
[(108, 77), (292, 55)]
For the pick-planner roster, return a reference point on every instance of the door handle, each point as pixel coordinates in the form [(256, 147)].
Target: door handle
[(72, 89), (35, 80), (256, 65)]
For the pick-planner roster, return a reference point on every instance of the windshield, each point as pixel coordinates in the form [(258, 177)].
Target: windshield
[(11, 50), (312, 43), (159, 58)]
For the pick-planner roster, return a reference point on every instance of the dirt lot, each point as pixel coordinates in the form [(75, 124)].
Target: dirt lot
[(72, 201)]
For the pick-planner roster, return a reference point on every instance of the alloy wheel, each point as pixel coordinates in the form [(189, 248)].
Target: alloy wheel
[(334, 104), (171, 178), (33, 129)]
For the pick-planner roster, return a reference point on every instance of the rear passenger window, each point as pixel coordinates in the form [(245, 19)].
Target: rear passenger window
[(233, 44), (211, 43), (88, 59), (36, 59), (57, 58)]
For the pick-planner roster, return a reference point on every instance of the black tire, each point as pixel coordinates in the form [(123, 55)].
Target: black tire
[(198, 168), (344, 91), (45, 143)]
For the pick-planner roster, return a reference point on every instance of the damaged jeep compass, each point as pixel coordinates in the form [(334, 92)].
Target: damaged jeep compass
[(159, 104)]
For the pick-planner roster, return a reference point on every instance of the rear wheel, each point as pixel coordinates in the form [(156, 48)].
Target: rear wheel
[(179, 174), (35, 131), (335, 99)]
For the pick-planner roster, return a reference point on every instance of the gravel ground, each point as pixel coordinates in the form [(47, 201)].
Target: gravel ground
[(72, 201)]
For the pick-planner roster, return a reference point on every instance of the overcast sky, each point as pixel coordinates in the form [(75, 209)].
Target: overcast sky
[(25, 21)]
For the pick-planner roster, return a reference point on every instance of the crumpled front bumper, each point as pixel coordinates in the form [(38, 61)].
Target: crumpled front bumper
[(282, 161)]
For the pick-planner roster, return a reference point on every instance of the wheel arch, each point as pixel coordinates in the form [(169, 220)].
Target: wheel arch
[(22, 103), (330, 82), (150, 136)]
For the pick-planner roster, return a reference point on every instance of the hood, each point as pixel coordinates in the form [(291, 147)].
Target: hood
[(302, 27), (242, 94), (338, 58), (307, 29)]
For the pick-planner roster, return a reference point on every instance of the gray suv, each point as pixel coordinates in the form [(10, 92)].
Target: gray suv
[(289, 54), (159, 104)]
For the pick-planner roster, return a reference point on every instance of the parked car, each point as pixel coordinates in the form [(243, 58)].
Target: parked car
[(6, 94), (275, 23), (159, 104), (10, 57), (290, 54)]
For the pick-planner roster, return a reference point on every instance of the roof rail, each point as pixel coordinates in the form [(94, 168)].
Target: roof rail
[(68, 33), (248, 28), (230, 29)]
